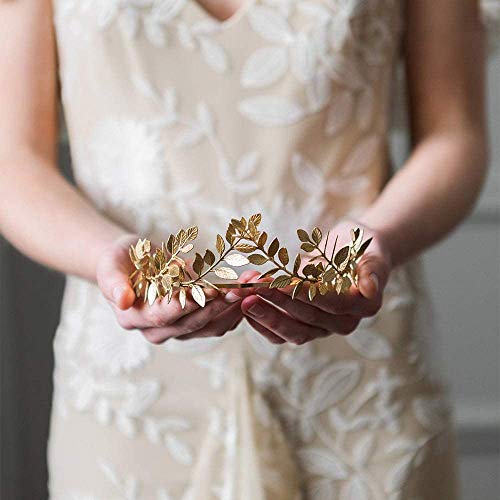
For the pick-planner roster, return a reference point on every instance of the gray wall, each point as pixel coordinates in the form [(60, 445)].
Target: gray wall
[(467, 305)]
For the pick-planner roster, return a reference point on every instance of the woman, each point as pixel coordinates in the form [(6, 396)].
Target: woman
[(183, 113)]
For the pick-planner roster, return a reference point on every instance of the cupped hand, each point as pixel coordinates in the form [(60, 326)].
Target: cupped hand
[(279, 318), (162, 320)]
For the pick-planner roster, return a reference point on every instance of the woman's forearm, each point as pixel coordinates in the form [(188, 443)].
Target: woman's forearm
[(47, 219), (431, 194)]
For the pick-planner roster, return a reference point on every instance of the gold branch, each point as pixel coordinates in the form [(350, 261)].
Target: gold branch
[(157, 274)]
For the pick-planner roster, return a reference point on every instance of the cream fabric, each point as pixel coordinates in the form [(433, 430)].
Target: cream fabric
[(175, 119)]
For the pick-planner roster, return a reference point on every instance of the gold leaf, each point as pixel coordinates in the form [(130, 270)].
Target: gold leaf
[(187, 248), (192, 232), (209, 257), (236, 259), (183, 237), (245, 247), (173, 270), (262, 240), (297, 289), (230, 234), (359, 238), (303, 236), (342, 256), (362, 248), (198, 264), (338, 284), (219, 244), (198, 295), (283, 256), (170, 243), (132, 254), (273, 247), (296, 264), (152, 290), (317, 235), (166, 282), (323, 288), (252, 229), (182, 297), (256, 219), (226, 273), (329, 274), (238, 224), (280, 281), (312, 291), (307, 247), (257, 259), (269, 272), (346, 284)]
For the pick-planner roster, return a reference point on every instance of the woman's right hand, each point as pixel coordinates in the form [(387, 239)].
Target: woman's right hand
[(162, 320)]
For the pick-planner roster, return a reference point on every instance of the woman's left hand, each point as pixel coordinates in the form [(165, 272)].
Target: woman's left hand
[(274, 314)]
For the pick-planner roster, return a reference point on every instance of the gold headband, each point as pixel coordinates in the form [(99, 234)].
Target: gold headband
[(157, 273)]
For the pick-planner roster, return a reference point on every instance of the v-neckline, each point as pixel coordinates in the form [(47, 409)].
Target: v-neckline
[(231, 20)]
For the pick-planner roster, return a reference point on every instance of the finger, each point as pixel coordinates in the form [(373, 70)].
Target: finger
[(162, 312), (309, 313), (218, 326), (372, 275), (274, 339), (193, 322), (351, 302), (279, 322), (245, 277), (113, 277), (207, 328)]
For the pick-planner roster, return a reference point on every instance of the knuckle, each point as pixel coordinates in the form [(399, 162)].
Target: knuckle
[(373, 309), (274, 324), (309, 315), (276, 340), (154, 338), (155, 317), (348, 326), (194, 325), (125, 323), (339, 306)]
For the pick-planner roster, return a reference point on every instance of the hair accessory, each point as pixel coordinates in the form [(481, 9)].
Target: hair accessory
[(160, 272)]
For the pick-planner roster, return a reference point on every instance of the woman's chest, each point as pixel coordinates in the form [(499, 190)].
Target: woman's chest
[(310, 29)]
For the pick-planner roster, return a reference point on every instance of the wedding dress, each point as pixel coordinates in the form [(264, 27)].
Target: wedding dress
[(176, 119)]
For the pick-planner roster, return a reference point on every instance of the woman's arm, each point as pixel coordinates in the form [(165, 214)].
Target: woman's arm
[(44, 216), (40, 213), (440, 182)]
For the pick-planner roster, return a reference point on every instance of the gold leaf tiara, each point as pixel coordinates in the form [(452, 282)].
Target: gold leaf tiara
[(158, 273)]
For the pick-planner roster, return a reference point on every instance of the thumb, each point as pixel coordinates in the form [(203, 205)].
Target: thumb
[(113, 280), (371, 276)]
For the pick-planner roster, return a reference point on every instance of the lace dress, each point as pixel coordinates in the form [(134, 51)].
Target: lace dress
[(176, 119)]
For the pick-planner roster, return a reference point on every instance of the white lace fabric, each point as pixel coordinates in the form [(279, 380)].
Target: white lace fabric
[(174, 119)]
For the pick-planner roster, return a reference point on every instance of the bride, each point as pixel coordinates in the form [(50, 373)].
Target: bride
[(190, 113)]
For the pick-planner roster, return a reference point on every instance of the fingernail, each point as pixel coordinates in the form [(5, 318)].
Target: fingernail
[(374, 278), (118, 292), (232, 297), (256, 310)]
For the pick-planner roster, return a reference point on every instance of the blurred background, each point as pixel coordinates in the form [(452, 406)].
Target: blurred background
[(464, 274)]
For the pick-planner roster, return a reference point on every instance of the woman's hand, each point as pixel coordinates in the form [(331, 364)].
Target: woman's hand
[(162, 320), (274, 314)]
